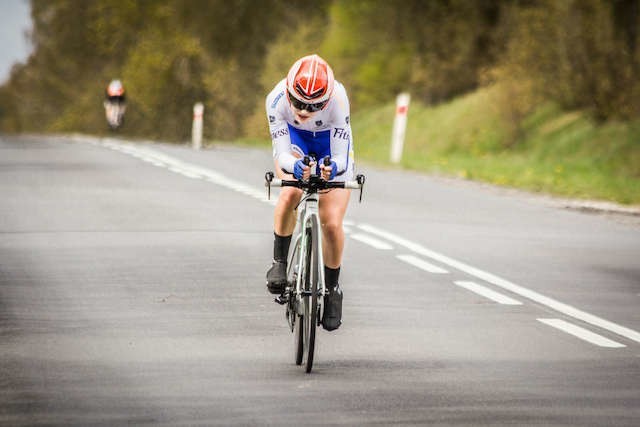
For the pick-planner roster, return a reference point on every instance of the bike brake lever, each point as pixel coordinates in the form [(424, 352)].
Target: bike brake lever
[(268, 177), (360, 179)]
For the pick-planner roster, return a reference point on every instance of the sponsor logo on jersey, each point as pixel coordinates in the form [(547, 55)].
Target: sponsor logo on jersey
[(346, 119), (318, 123), (272, 119), (341, 133), (278, 133), (275, 101)]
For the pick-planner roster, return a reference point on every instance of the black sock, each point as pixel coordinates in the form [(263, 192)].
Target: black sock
[(331, 276), (281, 247)]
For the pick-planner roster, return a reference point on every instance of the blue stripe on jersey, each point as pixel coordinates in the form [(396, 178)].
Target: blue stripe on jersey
[(317, 143)]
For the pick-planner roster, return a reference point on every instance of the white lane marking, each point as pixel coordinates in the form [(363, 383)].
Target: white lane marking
[(505, 284), (186, 169), (421, 264), (487, 293), (187, 173), (153, 162), (581, 333), (372, 241)]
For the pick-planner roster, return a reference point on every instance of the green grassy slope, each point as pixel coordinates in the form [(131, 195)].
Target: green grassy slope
[(556, 152)]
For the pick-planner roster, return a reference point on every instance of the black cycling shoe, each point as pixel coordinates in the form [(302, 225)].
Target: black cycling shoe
[(332, 314), (277, 277)]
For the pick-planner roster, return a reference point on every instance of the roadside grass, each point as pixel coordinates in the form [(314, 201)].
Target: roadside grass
[(555, 152), (552, 151)]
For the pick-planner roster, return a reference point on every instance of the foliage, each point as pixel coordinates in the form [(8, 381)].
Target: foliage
[(169, 54), (579, 54)]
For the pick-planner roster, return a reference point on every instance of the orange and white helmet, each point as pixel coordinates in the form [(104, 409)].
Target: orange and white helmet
[(115, 88), (310, 83)]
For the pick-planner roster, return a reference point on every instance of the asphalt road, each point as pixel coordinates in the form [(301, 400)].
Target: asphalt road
[(132, 293)]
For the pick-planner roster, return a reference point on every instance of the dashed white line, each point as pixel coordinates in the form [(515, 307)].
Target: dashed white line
[(505, 284), (421, 264), (487, 293), (582, 333), (372, 241)]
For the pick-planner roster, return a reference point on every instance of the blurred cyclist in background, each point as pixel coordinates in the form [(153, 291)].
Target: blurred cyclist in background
[(308, 114), (115, 104)]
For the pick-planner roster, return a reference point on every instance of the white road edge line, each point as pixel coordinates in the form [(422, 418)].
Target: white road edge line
[(582, 333), (372, 241), (505, 284), (421, 264), (187, 169), (487, 293)]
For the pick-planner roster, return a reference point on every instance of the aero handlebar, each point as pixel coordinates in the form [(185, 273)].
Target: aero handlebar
[(314, 184)]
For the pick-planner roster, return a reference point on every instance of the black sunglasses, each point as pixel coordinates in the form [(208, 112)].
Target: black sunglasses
[(299, 105)]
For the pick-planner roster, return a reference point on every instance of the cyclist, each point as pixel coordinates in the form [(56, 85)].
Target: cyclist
[(308, 114), (115, 103)]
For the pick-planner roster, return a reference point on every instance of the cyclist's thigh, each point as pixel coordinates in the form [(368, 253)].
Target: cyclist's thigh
[(333, 205), (290, 196)]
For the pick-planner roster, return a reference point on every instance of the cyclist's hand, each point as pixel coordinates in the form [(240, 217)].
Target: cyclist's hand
[(329, 172), (302, 171)]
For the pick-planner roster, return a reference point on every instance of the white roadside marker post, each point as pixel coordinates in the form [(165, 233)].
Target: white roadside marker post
[(196, 129), (399, 127)]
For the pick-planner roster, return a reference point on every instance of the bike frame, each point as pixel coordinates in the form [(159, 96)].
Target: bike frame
[(308, 217)]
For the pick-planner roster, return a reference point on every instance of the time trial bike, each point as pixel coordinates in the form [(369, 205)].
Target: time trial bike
[(305, 290)]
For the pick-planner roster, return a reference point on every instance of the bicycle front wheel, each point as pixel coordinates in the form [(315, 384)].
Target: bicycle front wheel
[(304, 335), (311, 300)]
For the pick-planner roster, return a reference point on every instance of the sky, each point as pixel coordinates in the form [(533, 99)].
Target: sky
[(15, 20)]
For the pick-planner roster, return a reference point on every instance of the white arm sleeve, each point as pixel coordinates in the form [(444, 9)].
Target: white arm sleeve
[(341, 132), (281, 140)]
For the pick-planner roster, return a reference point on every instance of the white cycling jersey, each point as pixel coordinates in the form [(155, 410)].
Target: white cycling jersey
[(326, 132)]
